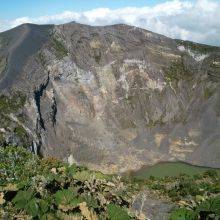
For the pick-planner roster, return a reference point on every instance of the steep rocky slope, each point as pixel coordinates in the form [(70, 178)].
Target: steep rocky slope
[(114, 98)]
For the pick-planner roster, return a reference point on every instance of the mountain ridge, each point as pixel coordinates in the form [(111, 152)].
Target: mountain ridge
[(115, 97)]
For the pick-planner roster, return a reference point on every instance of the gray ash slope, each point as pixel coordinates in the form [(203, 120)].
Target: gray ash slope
[(114, 98)]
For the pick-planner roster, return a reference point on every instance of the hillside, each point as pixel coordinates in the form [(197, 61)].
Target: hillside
[(113, 98)]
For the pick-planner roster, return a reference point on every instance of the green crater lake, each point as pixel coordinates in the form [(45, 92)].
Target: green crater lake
[(170, 169)]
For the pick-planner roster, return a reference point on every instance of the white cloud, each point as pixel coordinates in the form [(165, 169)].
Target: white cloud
[(188, 20)]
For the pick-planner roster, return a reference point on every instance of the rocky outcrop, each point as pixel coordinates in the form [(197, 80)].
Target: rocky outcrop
[(152, 207), (117, 97)]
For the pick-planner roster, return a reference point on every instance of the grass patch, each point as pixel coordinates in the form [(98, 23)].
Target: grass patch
[(21, 133), (10, 104), (3, 63), (4, 41), (162, 170), (214, 72), (176, 72), (97, 57), (13, 105), (2, 139), (42, 59), (60, 48)]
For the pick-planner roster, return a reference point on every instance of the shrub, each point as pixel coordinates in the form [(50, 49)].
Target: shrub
[(115, 212), (49, 188), (59, 47), (183, 214)]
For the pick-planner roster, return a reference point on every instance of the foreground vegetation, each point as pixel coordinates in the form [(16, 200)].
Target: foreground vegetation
[(196, 197), (34, 188), (50, 189)]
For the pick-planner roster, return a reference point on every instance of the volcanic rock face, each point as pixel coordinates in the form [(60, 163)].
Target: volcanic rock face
[(116, 97)]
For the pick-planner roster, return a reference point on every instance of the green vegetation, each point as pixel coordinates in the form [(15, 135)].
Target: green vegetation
[(197, 182), (3, 63), (209, 209), (12, 104), (184, 186), (153, 123), (59, 47), (176, 72), (50, 189), (2, 139), (170, 169), (42, 59), (20, 132), (183, 214), (97, 57), (116, 213), (196, 197), (47, 188), (4, 41), (201, 48), (214, 71)]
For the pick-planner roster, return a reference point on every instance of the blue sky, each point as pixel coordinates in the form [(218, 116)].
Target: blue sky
[(10, 9), (194, 20)]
